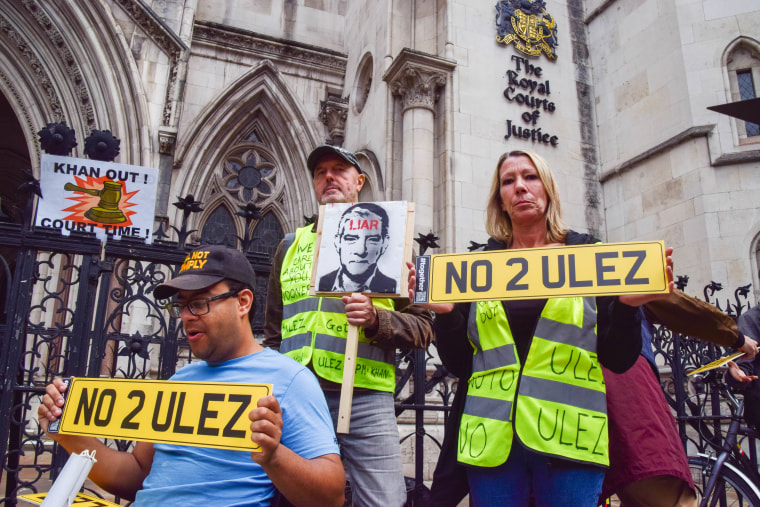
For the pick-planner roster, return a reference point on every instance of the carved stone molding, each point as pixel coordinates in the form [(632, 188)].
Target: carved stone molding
[(333, 113), (68, 62), (177, 72), (167, 139), (271, 48), (8, 28), (416, 77), (163, 36), (170, 43)]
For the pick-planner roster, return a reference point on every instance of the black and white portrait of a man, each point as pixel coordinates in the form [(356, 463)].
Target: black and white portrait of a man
[(363, 234)]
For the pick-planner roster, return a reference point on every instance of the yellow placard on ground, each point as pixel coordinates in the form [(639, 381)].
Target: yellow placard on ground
[(203, 414), (717, 363), (81, 500), (538, 273)]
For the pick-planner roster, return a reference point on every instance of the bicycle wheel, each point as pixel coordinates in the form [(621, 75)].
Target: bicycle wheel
[(733, 489)]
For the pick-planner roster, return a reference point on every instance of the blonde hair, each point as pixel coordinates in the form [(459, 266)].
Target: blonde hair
[(498, 222)]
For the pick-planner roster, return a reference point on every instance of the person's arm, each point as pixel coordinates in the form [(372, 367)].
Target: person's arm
[(316, 481), (690, 316), (273, 311), (408, 327), (749, 324), (119, 473), (740, 374)]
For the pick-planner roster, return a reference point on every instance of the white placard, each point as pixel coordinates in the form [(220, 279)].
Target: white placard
[(362, 247), (108, 199)]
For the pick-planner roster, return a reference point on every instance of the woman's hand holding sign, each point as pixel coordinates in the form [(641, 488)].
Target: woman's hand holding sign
[(433, 307), (641, 299)]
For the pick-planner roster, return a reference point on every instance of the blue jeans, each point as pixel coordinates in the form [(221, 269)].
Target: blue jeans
[(371, 452), (551, 481)]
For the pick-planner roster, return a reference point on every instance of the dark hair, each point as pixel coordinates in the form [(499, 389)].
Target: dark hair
[(236, 286), (371, 208)]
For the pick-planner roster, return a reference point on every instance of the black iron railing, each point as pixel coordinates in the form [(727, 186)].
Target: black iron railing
[(69, 307)]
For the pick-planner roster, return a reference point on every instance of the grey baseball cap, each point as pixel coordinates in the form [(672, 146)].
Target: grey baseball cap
[(327, 149)]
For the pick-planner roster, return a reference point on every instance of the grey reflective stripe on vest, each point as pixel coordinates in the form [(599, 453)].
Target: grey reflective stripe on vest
[(559, 392), (570, 334), (300, 306), (488, 408), (490, 359), (333, 305), (295, 342), (365, 351), (312, 305)]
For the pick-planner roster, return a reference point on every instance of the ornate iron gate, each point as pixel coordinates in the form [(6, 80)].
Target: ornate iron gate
[(72, 306)]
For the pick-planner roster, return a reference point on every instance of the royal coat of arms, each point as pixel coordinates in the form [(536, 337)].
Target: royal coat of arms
[(527, 25)]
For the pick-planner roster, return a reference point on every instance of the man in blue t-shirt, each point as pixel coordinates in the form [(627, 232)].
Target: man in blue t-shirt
[(213, 295)]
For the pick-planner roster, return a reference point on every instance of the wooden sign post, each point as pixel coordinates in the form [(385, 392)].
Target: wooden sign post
[(347, 387), (396, 236)]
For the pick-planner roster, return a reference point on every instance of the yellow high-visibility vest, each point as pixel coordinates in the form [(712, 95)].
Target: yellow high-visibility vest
[(555, 403), (314, 329)]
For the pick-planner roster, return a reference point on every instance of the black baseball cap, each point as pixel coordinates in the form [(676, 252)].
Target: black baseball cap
[(206, 266), (327, 149)]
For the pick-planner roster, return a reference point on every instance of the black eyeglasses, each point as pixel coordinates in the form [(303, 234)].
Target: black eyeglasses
[(197, 306)]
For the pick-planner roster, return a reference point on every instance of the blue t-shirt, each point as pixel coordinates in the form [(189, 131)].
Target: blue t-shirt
[(186, 475)]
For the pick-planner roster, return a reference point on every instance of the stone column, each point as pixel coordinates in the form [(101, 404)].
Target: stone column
[(417, 79)]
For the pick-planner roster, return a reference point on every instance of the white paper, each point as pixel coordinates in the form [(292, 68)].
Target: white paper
[(70, 481)]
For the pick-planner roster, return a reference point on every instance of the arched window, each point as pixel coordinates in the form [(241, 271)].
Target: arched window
[(266, 235), (219, 228), (244, 185), (743, 66)]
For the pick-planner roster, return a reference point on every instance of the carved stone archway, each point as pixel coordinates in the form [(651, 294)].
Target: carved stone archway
[(257, 114), (70, 62)]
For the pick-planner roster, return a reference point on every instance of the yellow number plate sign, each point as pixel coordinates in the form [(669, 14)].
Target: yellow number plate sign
[(81, 500), (533, 273), (203, 414), (717, 363)]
